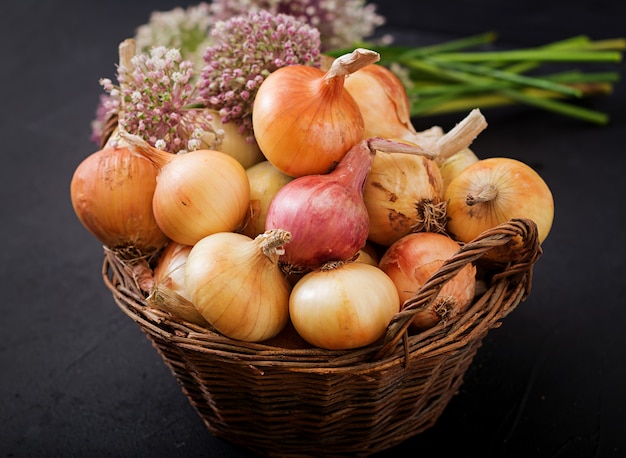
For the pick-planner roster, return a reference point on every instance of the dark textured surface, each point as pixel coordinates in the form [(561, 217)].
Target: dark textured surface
[(79, 378)]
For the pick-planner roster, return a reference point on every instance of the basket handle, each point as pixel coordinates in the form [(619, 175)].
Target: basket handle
[(526, 254)]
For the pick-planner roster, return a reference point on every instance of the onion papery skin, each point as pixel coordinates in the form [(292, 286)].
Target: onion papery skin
[(111, 192), (520, 192), (169, 292), (403, 193), (325, 214), (201, 193), (412, 260), (303, 123), (344, 307), (383, 102), (237, 288), (265, 181)]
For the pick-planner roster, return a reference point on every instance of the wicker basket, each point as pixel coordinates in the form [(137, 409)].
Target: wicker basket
[(313, 402)]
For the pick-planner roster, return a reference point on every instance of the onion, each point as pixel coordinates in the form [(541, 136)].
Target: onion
[(368, 255), (343, 307), (235, 144), (413, 259), (111, 192), (403, 193), (197, 193), (493, 191), (456, 163), (265, 181), (169, 293), (236, 285), (325, 214), (303, 119), (383, 102)]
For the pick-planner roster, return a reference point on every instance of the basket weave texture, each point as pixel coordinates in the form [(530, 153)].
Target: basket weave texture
[(312, 402)]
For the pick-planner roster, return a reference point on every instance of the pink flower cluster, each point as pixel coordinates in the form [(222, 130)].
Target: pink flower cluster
[(156, 101)]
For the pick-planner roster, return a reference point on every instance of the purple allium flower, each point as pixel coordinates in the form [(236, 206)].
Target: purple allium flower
[(247, 49), (156, 101), (341, 23)]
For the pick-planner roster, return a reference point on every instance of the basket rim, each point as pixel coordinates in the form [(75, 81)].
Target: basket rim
[(509, 286)]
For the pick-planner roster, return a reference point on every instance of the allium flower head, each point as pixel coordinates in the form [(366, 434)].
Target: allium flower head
[(341, 23), (247, 49), (155, 100), (185, 29)]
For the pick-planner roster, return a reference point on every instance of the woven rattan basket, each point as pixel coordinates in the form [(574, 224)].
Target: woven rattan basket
[(312, 402)]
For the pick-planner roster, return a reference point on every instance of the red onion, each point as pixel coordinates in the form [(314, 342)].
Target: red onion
[(325, 214)]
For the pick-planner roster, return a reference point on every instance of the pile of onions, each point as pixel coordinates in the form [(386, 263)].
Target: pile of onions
[(111, 192), (265, 181), (304, 120), (197, 193), (237, 286), (343, 306), (403, 193), (413, 259), (169, 292), (493, 191)]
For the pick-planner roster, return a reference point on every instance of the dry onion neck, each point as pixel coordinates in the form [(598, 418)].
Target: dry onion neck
[(349, 63), (487, 194), (272, 243)]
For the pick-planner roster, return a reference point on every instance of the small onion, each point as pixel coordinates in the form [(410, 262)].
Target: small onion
[(233, 143), (413, 259), (455, 164), (236, 285), (111, 192), (265, 181), (343, 307), (491, 192), (303, 119), (403, 193), (169, 292), (197, 193)]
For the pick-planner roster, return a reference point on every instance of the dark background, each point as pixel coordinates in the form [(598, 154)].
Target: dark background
[(78, 378)]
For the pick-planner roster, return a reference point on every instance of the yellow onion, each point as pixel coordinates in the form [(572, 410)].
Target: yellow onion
[(197, 193), (383, 102), (343, 306), (491, 192), (169, 292), (403, 193), (412, 260), (456, 163), (111, 192), (304, 120), (236, 285), (265, 181), (233, 143)]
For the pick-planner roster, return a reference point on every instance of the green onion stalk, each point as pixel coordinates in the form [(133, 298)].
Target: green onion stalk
[(453, 77)]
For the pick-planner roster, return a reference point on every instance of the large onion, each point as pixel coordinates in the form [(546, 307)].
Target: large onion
[(325, 214), (343, 307), (413, 259), (303, 119), (491, 192), (236, 285), (197, 193), (403, 193), (111, 192)]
